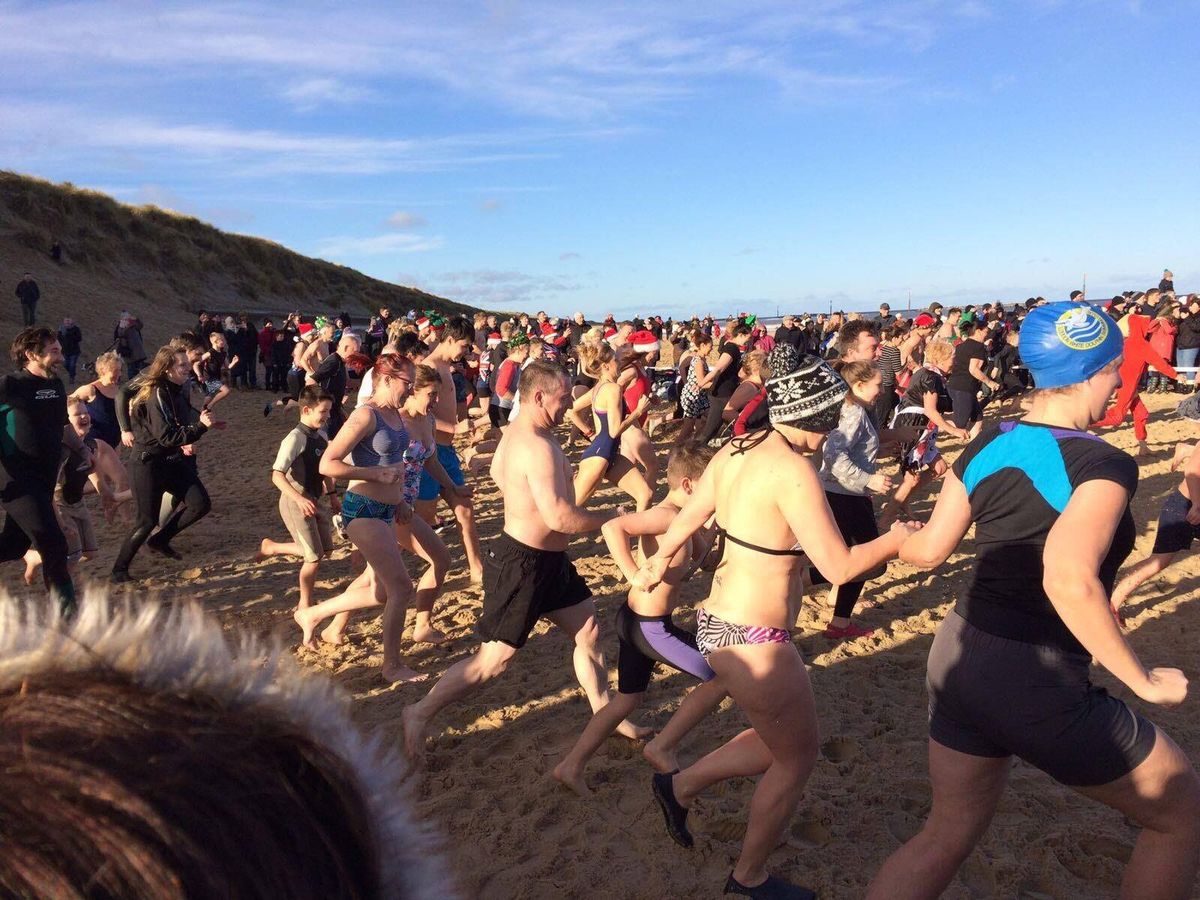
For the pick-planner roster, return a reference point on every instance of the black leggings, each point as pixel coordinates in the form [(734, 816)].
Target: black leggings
[(149, 480), (855, 518), (31, 522), (714, 422)]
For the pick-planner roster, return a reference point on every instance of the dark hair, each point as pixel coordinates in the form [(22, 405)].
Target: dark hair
[(34, 339), (458, 329), (848, 334), (538, 376), (187, 342), (313, 394), (688, 461), (410, 342), (739, 329)]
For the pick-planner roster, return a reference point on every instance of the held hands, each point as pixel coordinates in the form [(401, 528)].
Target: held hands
[(650, 575), (905, 530), (387, 475), (879, 483), (1164, 687)]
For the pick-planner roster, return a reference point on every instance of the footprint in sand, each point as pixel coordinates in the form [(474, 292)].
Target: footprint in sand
[(978, 877), (725, 829), (811, 834), (902, 826), (840, 750), (1103, 845)]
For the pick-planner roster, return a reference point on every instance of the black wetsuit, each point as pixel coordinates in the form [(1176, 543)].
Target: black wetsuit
[(33, 415), (161, 427), (331, 375)]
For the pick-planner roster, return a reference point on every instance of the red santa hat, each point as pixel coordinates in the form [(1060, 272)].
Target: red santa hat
[(610, 333), (493, 339), (422, 323), (643, 342)]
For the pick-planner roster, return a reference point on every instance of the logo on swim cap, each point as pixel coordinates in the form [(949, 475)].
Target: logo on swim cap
[(1081, 329)]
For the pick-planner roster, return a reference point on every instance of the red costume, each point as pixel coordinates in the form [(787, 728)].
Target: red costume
[(1138, 355)]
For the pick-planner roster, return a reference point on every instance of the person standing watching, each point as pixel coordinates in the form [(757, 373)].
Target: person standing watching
[(70, 338), (33, 432), (127, 337), (28, 294)]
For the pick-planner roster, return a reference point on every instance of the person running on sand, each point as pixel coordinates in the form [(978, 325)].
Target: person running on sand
[(603, 458), (636, 384), (456, 340), (416, 536), (1178, 520), (374, 440), (1008, 671), (211, 370), (296, 473), (528, 575), (101, 398), (770, 510), (693, 366), (645, 632)]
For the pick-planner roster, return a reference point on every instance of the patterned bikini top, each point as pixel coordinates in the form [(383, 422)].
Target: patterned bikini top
[(414, 465)]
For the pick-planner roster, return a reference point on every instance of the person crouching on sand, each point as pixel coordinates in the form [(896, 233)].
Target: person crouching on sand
[(646, 635)]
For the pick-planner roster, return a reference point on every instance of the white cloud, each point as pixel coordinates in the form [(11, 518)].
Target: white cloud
[(379, 245), (312, 93), (405, 220), (501, 288)]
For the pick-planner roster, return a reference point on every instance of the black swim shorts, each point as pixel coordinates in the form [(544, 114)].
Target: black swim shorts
[(995, 697), (1175, 533), (643, 641), (520, 585)]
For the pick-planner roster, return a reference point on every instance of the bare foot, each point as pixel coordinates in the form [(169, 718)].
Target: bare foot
[(262, 551), (572, 778), (414, 732), (1143, 449), (634, 732), (427, 634), (399, 673), (331, 634), (660, 760), (477, 577), (304, 620)]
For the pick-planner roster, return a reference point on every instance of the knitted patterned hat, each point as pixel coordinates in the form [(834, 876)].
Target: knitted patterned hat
[(803, 391)]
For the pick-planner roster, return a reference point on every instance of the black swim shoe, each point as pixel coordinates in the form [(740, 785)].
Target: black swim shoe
[(673, 812), (120, 576), (771, 889), (164, 549)]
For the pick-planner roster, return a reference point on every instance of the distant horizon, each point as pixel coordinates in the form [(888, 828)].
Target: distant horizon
[(675, 157)]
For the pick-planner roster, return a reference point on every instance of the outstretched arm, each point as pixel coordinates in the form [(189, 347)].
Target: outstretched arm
[(933, 544), (617, 533)]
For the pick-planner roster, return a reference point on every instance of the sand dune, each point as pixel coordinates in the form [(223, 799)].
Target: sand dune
[(511, 831)]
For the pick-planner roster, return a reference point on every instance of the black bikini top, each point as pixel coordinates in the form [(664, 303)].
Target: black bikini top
[(723, 535)]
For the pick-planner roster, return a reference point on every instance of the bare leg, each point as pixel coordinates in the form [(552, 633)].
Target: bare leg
[(417, 537), (637, 448), (268, 547), (966, 791), (465, 513), (1139, 575), (308, 580), (587, 477), (628, 477), (361, 594), (1163, 796), (601, 726), (465, 676), (769, 682), (701, 700)]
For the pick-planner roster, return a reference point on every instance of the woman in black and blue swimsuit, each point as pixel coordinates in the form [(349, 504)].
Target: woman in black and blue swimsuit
[(602, 459), (375, 440)]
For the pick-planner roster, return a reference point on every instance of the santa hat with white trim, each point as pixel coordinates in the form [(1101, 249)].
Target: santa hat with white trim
[(643, 342)]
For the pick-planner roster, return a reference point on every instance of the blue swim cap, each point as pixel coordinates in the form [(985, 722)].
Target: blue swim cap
[(1067, 343)]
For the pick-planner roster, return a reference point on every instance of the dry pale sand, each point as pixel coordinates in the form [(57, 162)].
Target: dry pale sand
[(513, 832)]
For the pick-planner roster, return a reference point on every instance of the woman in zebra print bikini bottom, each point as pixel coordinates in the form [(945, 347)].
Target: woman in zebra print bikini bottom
[(768, 503)]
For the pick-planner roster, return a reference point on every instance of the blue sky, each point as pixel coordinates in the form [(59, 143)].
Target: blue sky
[(669, 157)]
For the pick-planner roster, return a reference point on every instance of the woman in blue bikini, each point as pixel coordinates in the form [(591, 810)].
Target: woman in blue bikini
[(374, 440), (602, 459)]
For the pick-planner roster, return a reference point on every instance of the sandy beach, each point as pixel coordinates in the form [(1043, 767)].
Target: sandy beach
[(512, 831)]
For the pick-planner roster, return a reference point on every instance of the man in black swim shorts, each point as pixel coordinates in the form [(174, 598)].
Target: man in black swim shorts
[(527, 574)]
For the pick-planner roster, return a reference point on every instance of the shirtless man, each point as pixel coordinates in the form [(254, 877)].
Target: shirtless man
[(456, 340), (528, 575)]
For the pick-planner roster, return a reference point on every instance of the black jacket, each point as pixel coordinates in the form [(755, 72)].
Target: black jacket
[(27, 291), (1188, 337), (160, 425), (71, 339)]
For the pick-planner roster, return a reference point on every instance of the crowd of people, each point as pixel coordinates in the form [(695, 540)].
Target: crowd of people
[(796, 455)]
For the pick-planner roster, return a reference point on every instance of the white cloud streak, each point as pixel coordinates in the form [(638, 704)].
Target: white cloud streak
[(379, 245)]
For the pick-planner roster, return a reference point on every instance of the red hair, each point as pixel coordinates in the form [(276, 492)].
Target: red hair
[(391, 365)]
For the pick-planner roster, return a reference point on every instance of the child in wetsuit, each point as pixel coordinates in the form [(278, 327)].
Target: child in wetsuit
[(296, 473), (645, 632)]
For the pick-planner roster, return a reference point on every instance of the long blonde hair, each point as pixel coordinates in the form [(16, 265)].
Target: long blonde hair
[(155, 375)]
